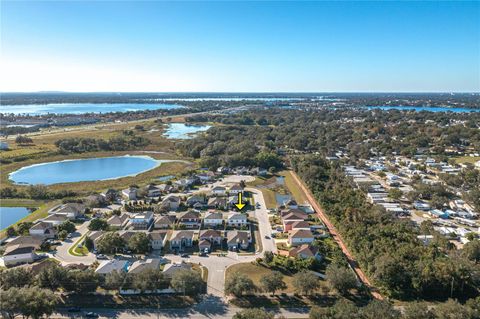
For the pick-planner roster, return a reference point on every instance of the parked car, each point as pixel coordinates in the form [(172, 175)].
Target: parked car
[(267, 237), (91, 315), (101, 256), (184, 255)]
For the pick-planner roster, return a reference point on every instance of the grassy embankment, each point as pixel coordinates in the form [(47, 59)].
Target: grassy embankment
[(43, 149), (467, 159)]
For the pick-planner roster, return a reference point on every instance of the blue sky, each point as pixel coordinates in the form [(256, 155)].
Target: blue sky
[(320, 46)]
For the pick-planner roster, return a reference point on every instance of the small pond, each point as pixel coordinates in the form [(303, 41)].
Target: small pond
[(11, 215), (184, 131), (81, 170)]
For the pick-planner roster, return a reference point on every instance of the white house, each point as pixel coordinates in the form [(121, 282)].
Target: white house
[(181, 239), (238, 239), (158, 239), (237, 220), (68, 210), (219, 190), (171, 202), (43, 229), (142, 220), (130, 193), (300, 236), (213, 219), (235, 189), (107, 266), (17, 254), (141, 265)]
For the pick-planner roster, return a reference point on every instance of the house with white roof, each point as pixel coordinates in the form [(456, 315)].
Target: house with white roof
[(107, 266)]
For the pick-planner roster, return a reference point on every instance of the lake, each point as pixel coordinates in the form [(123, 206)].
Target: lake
[(183, 131), (81, 170), (424, 108), (10, 215), (80, 108)]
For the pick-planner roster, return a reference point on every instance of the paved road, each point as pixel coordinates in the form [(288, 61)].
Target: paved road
[(336, 236), (264, 227), (62, 251)]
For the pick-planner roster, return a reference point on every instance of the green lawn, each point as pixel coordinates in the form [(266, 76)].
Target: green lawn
[(297, 194)]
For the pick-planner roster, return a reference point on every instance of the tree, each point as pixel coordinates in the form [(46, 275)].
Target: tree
[(81, 281), (114, 280), (38, 191), (110, 243), (29, 302), (305, 282), (150, 279), (88, 242), (451, 309), (318, 313), (239, 284), (62, 235), (52, 277), (15, 277), (345, 309), (471, 250), (23, 228), (268, 257), (395, 193), (253, 313), (98, 224), (67, 226), (380, 309), (139, 243), (11, 232), (20, 139), (188, 281), (340, 278), (418, 310), (273, 282)]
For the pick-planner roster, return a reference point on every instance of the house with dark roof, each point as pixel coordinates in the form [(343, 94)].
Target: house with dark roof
[(19, 254), (181, 239), (304, 251), (118, 222), (43, 229), (217, 203), (164, 222), (237, 239), (189, 219), (157, 239), (211, 235)]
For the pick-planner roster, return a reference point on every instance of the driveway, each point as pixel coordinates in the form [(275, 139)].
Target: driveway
[(65, 258)]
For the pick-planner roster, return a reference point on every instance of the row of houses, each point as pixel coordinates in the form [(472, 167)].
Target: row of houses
[(179, 240)]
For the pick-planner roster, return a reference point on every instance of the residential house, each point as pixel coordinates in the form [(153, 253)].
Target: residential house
[(171, 202), (219, 190), (118, 222), (69, 210), (55, 220), (237, 220), (213, 219), (300, 236), (204, 245), (170, 269), (18, 254), (235, 189), (152, 191), (237, 239), (189, 219), (130, 193), (184, 183), (213, 236), (108, 266), (304, 251), (217, 203), (43, 229), (181, 239), (164, 222), (195, 200), (295, 224), (95, 237), (289, 218), (157, 239), (166, 188), (34, 241), (290, 204), (127, 234), (110, 195), (142, 220), (141, 265), (206, 177)]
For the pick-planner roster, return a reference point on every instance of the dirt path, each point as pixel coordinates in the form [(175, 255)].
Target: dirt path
[(336, 236)]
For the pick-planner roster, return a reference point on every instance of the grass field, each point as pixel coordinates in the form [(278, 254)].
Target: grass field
[(467, 159), (291, 186), (256, 272)]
